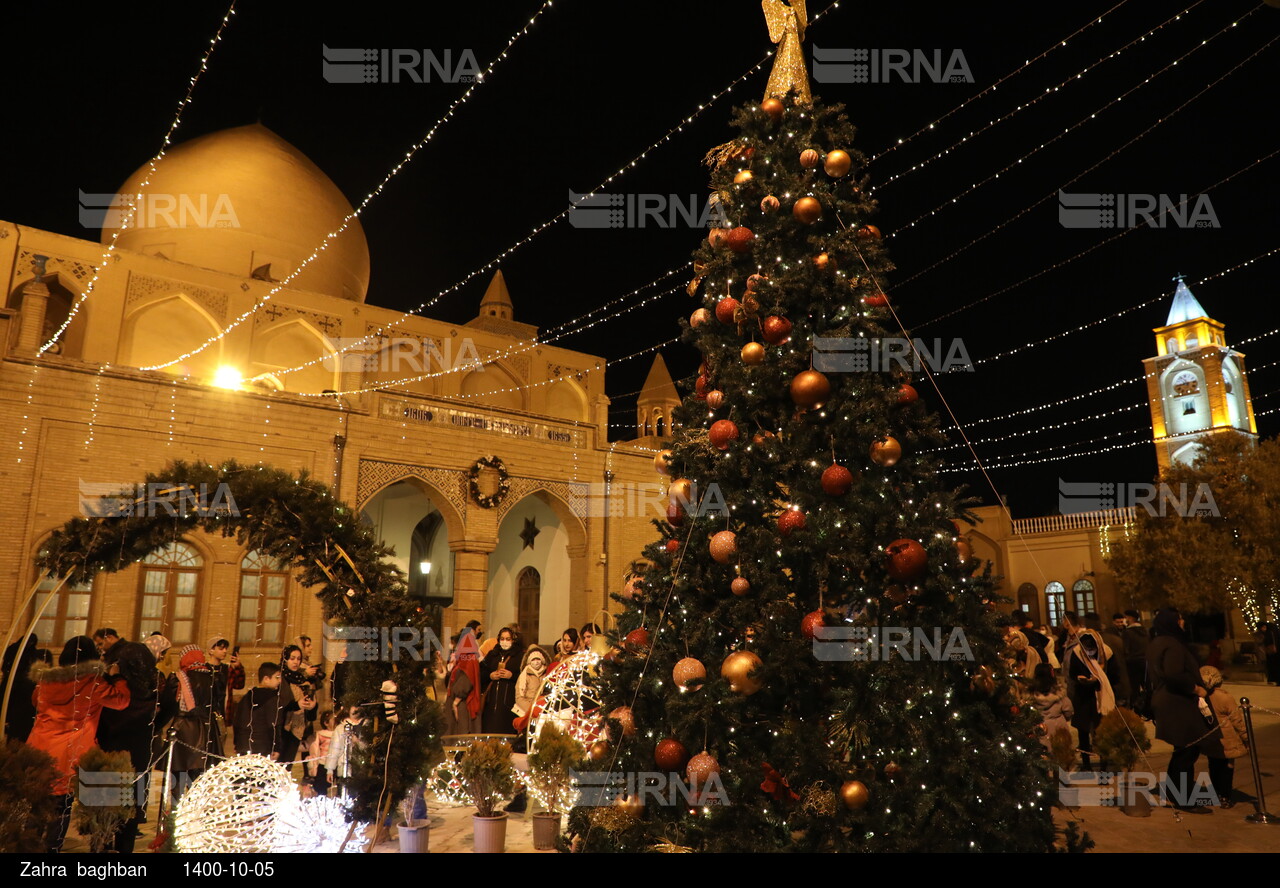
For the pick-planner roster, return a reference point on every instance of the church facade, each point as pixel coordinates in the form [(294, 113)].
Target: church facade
[(479, 453)]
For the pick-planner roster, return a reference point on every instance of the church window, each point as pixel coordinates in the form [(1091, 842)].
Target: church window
[(66, 616), (1055, 596), (264, 583), (1188, 406), (170, 586), (1082, 593)]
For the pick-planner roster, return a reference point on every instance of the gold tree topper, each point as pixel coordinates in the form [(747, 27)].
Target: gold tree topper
[(786, 28)]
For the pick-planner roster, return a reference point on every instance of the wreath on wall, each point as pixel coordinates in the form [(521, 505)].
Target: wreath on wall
[(504, 482), (295, 519)]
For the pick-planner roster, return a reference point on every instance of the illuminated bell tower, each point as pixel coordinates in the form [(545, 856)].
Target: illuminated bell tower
[(1196, 384)]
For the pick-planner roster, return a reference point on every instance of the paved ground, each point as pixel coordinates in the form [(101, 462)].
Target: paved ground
[(1165, 830)]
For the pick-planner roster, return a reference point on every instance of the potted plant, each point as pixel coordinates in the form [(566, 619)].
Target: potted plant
[(549, 765), (415, 834), (105, 803), (1119, 740), (25, 774), (488, 777)]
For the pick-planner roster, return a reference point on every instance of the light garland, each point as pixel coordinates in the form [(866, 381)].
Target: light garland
[(232, 807), (1026, 432), (356, 213), (996, 464), (570, 699), (1047, 92), (1082, 121), (1053, 194), (316, 826)]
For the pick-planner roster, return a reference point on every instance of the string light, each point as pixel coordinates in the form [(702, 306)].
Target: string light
[(356, 213), (1053, 194), (1047, 92), (1082, 121)]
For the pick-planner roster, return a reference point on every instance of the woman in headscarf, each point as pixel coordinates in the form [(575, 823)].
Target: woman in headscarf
[(199, 696), (1084, 662), (462, 702), (69, 700), (130, 729), (299, 685), (22, 710), (498, 681), (1176, 687)]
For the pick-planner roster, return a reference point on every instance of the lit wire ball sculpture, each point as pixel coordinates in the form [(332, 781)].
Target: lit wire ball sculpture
[(445, 781), (232, 807), (569, 698), (316, 826)]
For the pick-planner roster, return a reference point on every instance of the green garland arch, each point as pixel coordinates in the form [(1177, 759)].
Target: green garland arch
[(297, 520)]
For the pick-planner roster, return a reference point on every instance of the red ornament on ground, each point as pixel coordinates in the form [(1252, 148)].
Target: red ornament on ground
[(776, 330), (740, 239), (740, 586), (723, 432), (907, 394), (725, 309), (837, 480), (724, 547), (790, 521), (811, 622), (907, 559), (670, 755)]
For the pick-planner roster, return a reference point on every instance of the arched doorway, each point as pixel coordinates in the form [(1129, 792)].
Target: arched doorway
[(529, 603)]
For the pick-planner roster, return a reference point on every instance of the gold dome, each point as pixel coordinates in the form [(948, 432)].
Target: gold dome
[(245, 202)]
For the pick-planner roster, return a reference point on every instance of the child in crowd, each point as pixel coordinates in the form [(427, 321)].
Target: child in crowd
[(1051, 701), (338, 764), (318, 753), (260, 715), (1231, 743)]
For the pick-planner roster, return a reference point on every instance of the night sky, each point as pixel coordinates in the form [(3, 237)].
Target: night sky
[(592, 85)]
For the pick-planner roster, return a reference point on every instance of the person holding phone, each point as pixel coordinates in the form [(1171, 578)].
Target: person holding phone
[(498, 678)]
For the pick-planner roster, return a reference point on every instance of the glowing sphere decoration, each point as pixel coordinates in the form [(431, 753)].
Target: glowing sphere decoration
[(570, 699), (316, 826), (232, 808)]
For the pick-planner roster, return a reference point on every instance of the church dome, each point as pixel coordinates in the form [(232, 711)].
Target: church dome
[(245, 202)]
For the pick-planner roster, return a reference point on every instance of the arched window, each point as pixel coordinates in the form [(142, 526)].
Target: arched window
[(529, 603), (1029, 602), (1082, 596), (264, 585), (66, 616), (1055, 597), (170, 587)]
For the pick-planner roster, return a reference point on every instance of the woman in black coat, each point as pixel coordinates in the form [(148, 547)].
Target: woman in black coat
[(498, 673), (1176, 687), (130, 729)]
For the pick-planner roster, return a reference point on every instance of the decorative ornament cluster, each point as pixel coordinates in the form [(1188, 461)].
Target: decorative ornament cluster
[(488, 501)]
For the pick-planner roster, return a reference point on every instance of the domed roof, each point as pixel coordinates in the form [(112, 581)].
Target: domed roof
[(245, 202)]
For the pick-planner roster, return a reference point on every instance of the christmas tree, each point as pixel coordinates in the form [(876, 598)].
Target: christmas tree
[(807, 527)]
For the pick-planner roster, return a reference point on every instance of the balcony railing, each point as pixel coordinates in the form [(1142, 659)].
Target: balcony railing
[(1076, 521)]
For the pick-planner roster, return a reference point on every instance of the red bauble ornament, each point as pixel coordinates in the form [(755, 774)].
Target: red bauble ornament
[(811, 622), (700, 387), (723, 432), (675, 514), (701, 766), (670, 755), (724, 547), (907, 394), (699, 317), (810, 389), (807, 210), (772, 107), (754, 282), (623, 714), (637, 639), (725, 309), (740, 586), (868, 232), (715, 399), (740, 239), (837, 480), (743, 177), (790, 520), (876, 300), (907, 559), (673, 546), (776, 330), (821, 261)]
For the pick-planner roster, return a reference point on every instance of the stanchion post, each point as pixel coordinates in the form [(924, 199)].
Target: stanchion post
[(171, 737), (1262, 815)]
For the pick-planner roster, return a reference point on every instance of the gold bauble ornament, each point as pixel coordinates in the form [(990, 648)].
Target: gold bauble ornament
[(821, 261), (809, 158), (724, 546), (688, 672), (855, 795), (807, 210), (737, 668), (810, 389), (623, 715), (699, 317), (681, 491), (662, 462), (886, 452), (740, 586), (599, 751), (837, 164), (742, 177), (753, 353), (772, 107), (770, 204), (700, 769)]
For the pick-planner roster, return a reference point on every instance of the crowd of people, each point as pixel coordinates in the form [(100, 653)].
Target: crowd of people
[(1084, 670)]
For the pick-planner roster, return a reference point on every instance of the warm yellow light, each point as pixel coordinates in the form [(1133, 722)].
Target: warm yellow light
[(228, 378)]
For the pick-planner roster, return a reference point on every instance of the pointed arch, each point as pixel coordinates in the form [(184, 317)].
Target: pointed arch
[(293, 343), (567, 399), (454, 522), (166, 328), (494, 385)]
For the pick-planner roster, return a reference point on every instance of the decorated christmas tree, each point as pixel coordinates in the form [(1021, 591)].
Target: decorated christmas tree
[(807, 530)]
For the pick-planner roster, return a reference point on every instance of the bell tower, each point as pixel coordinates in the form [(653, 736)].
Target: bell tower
[(1196, 384), (658, 398)]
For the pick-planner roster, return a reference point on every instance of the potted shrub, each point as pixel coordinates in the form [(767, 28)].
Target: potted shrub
[(488, 778), (415, 834), (1119, 740), (549, 766), (26, 806), (107, 803)]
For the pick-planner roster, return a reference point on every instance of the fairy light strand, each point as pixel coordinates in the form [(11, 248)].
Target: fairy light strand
[(358, 211)]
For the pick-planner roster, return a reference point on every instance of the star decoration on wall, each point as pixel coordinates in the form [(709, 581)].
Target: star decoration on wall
[(530, 531)]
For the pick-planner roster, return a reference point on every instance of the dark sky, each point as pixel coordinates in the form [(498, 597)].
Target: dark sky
[(592, 85)]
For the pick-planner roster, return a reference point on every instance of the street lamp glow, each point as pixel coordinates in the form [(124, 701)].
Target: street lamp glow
[(228, 377), (424, 567)]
